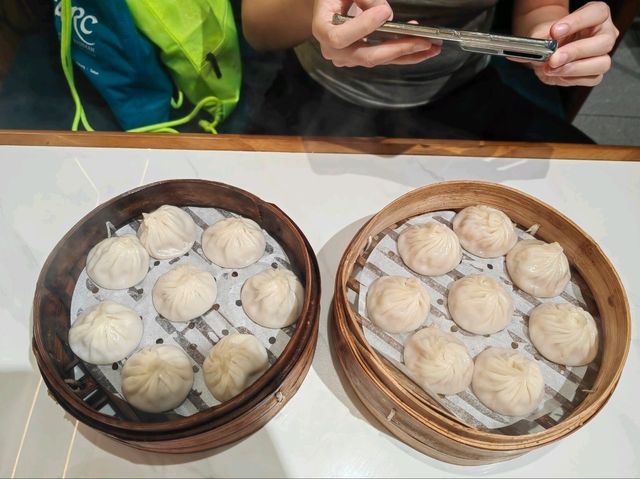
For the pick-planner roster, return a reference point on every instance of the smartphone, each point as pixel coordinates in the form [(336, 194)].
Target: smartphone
[(531, 49)]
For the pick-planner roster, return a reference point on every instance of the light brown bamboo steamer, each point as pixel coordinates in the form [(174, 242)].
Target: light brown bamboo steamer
[(407, 411)]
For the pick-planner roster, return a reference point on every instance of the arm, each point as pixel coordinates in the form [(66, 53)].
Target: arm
[(276, 24), (585, 38)]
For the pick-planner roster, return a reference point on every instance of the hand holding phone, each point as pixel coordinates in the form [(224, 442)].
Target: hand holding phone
[(343, 45)]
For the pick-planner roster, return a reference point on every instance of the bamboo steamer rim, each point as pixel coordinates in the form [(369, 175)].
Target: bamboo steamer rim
[(434, 417), (267, 384)]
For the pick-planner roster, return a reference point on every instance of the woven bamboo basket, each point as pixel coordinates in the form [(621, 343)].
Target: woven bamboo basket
[(405, 409), (218, 425)]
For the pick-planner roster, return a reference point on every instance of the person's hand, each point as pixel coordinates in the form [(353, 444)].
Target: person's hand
[(585, 38), (345, 45)]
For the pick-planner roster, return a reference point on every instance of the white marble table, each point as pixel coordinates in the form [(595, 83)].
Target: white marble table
[(322, 431)]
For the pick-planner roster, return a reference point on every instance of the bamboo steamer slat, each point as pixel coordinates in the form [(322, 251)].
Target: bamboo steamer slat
[(408, 412), (220, 424)]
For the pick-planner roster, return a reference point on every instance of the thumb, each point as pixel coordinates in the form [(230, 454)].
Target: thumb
[(366, 4), (590, 15)]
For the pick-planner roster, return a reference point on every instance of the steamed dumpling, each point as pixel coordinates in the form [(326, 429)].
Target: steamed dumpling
[(538, 268), (439, 361), (273, 298), (485, 231), (397, 304), (430, 249), (234, 242), (157, 378), (507, 382), (233, 364), (167, 232), (479, 304), (118, 262), (564, 333), (184, 293), (105, 333)]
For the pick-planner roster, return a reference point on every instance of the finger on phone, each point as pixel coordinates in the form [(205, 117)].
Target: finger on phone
[(341, 36), (590, 15), (580, 68), (413, 58), (588, 47), (388, 51)]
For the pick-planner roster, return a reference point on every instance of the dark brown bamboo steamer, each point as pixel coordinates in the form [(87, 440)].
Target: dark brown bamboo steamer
[(220, 424), (409, 413)]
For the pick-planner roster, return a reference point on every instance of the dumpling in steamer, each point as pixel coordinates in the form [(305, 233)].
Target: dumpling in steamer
[(157, 378), (233, 364), (273, 298), (439, 361), (479, 304), (430, 249), (184, 293), (167, 232), (507, 382), (234, 242), (485, 231), (564, 333), (397, 304), (119, 262), (105, 333), (538, 268)]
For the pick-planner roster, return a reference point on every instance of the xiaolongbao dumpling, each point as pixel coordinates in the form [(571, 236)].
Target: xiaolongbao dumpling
[(397, 304), (431, 249), (479, 304), (507, 382), (105, 333), (233, 364), (234, 242), (157, 378), (184, 293), (273, 298), (439, 361), (538, 268), (485, 231), (118, 262), (564, 333), (167, 232)]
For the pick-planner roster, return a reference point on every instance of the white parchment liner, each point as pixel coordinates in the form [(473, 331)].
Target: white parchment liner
[(194, 337), (565, 387)]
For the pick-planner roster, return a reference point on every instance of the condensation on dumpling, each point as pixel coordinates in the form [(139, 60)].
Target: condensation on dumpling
[(119, 262), (538, 268), (273, 298), (564, 333), (167, 232), (398, 304), (233, 364), (479, 304), (157, 378), (507, 382), (431, 249), (439, 362), (234, 242), (105, 333), (485, 231), (184, 293)]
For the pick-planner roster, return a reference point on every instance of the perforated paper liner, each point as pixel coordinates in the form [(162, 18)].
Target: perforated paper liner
[(565, 387), (194, 337)]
